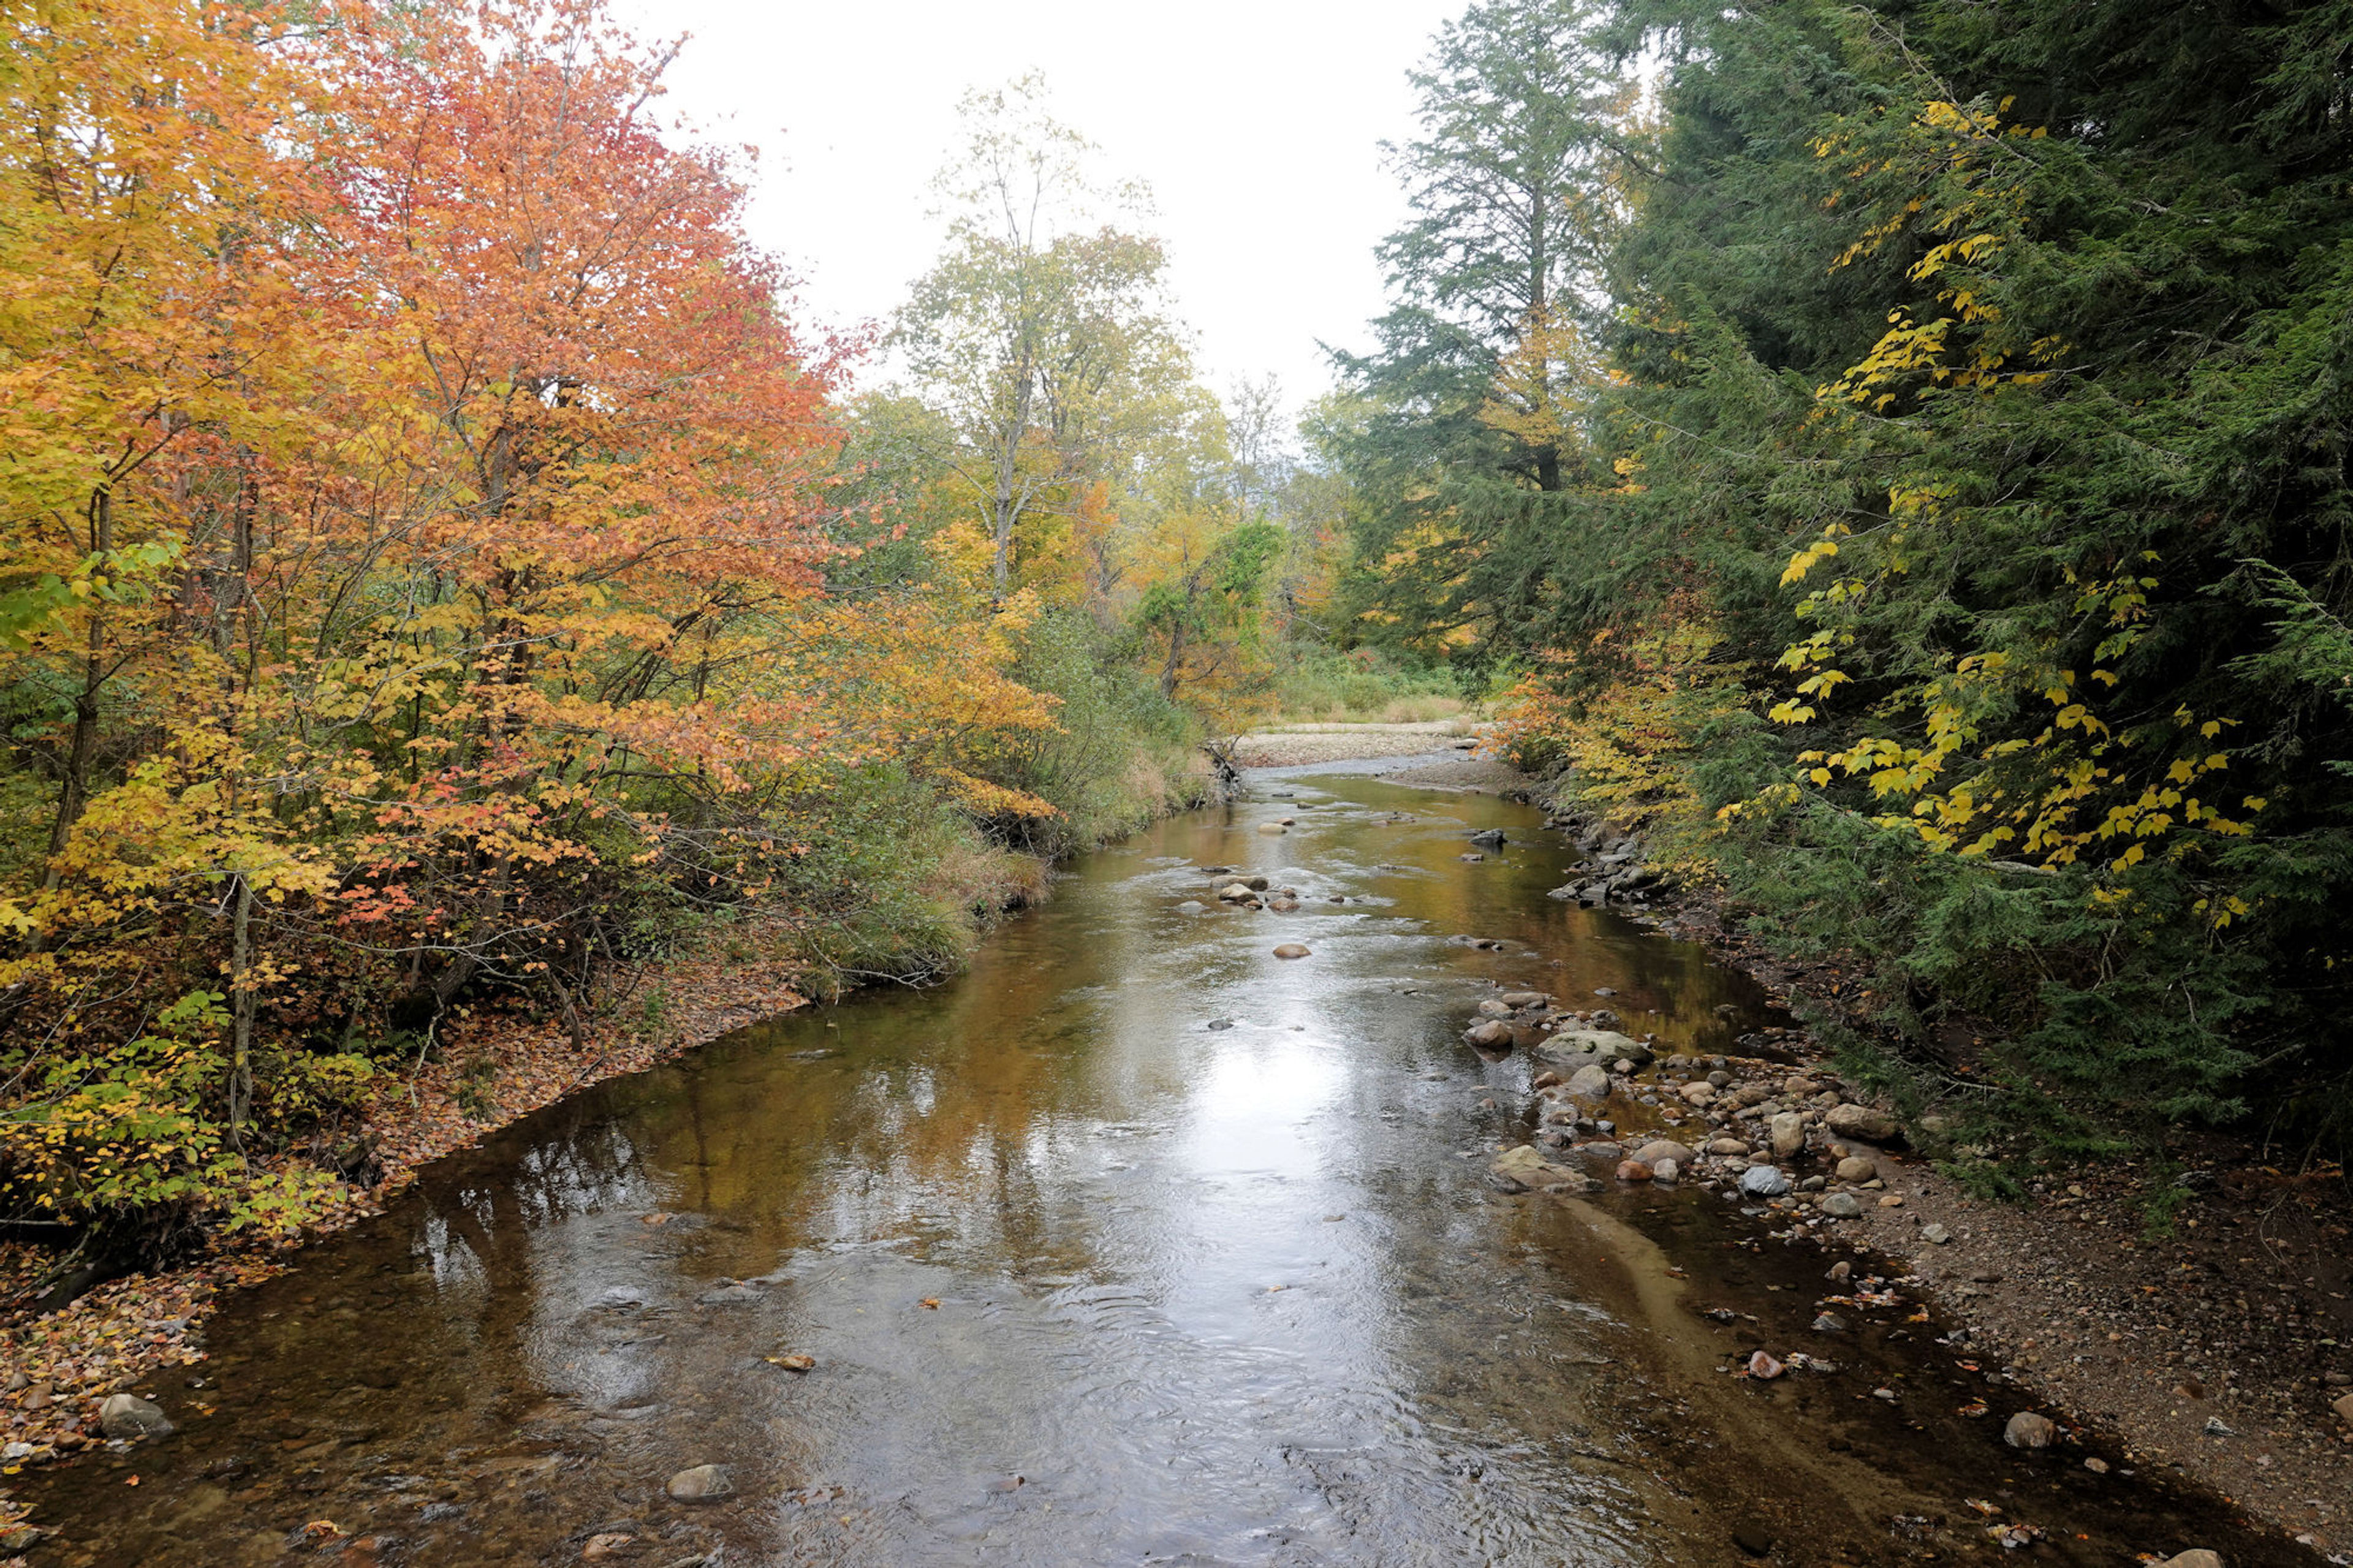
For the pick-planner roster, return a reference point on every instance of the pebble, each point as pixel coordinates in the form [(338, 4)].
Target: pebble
[(2028, 1430), (1934, 1234), (701, 1483)]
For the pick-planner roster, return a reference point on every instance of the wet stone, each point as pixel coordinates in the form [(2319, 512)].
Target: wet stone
[(701, 1483), (2028, 1429), (127, 1415)]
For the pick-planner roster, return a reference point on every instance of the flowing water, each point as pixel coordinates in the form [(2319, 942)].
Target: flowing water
[(1135, 1245)]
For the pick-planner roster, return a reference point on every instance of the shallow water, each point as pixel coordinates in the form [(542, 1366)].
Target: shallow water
[(1135, 1245)]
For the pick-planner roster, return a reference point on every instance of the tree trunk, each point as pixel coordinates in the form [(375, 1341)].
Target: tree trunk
[(81, 748), (240, 1072)]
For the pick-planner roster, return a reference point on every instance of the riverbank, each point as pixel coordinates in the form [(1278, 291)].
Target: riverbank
[(494, 1068), (2218, 1346)]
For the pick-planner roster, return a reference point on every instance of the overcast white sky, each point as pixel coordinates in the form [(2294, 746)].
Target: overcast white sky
[(1256, 122)]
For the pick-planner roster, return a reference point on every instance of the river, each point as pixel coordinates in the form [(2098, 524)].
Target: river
[(1135, 1244)]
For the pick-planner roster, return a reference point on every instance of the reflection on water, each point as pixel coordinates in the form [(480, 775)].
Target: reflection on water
[(1085, 1279)]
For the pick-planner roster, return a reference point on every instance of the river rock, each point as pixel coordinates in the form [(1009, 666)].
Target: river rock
[(1491, 1032), (1842, 1206), (1659, 1148), (1763, 1365), (1855, 1168), (1698, 1094), (2196, 1557), (1852, 1120), (1291, 949), (1764, 1182), (2344, 1408), (1590, 1082), (1788, 1133), (1490, 1008), (1255, 884), (1272, 828), (127, 1415), (1666, 1170), (1602, 1044), (1234, 893), (1633, 1170), (2028, 1430), (1192, 906), (701, 1483), (1934, 1234), (1516, 1000), (1524, 1165), (1282, 904), (1728, 1147)]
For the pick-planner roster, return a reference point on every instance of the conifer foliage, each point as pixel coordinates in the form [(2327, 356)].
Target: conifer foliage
[(1963, 482)]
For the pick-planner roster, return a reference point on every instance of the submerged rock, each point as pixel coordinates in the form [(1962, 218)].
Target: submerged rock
[(2028, 1430), (1291, 949), (127, 1415), (701, 1483)]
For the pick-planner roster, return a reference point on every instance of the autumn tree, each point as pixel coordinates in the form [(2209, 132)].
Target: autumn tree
[(1042, 334)]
